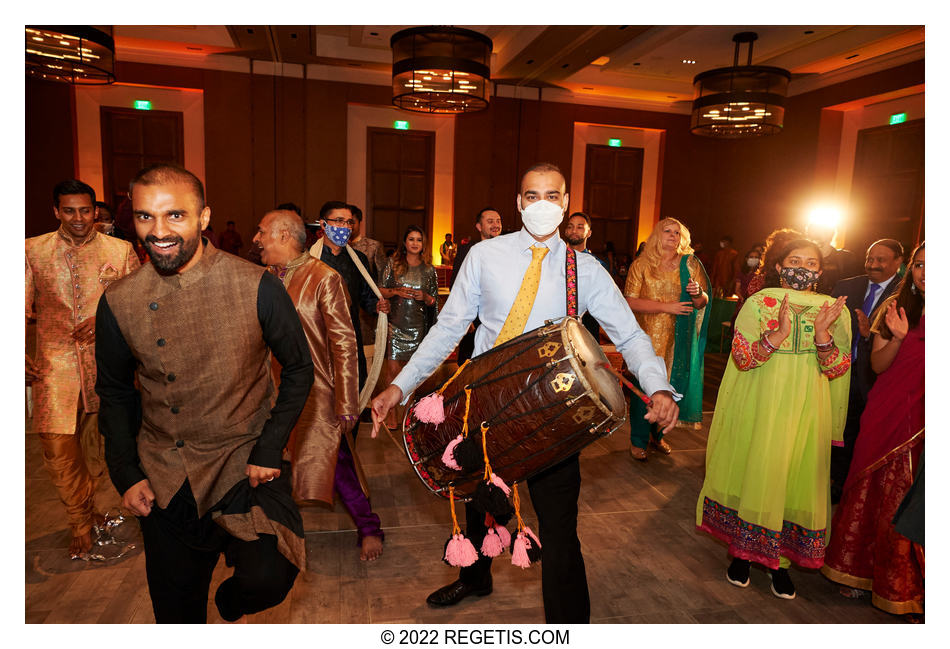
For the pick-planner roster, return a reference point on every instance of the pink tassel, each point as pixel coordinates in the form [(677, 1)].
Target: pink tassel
[(533, 538), (504, 535), (460, 552), (448, 459), (429, 409), (519, 554), (492, 546), (498, 482)]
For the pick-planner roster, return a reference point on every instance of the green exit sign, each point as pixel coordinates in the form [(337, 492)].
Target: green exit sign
[(614, 142), (142, 104), (401, 125), (898, 118)]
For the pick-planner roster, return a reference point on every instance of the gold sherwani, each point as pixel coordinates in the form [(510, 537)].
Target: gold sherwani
[(63, 285), (320, 297)]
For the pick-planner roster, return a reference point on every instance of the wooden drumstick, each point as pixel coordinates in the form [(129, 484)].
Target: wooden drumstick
[(644, 398)]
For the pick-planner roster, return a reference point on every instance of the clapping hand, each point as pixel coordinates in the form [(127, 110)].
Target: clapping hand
[(784, 319), (864, 325), (896, 320), (827, 314)]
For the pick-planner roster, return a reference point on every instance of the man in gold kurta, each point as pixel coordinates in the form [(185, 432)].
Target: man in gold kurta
[(322, 463), (66, 272)]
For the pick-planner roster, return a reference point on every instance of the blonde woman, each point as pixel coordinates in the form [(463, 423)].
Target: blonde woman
[(667, 289)]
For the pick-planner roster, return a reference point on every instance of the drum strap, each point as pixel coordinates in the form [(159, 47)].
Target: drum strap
[(570, 273)]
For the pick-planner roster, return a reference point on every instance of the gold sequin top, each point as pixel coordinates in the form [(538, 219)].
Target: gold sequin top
[(663, 287)]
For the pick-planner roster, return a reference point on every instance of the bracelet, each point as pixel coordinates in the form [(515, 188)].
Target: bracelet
[(825, 347), (764, 341)]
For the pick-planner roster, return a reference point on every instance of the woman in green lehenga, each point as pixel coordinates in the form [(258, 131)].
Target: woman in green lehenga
[(781, 405), (667, 290)]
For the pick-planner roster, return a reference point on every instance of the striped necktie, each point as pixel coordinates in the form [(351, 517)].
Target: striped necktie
[(524, 301)]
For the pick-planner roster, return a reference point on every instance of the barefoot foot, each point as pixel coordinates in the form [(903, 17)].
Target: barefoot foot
[(80, 545), (371, 548)]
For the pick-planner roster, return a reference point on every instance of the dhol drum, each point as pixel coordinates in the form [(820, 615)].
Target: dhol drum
[(539, 398)]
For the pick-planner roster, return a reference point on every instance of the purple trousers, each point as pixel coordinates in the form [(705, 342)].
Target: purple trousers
[(347, 485)]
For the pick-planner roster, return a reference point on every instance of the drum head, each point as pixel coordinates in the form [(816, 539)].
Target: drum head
[(589, 357)]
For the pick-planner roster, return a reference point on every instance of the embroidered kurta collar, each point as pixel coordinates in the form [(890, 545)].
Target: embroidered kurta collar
[(71, 242), (284, 272)]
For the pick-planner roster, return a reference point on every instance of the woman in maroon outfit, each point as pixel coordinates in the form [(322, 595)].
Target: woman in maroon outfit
[(866, 552)]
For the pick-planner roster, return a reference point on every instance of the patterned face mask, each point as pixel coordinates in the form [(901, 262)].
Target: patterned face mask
[(339, 236), (800, 279)]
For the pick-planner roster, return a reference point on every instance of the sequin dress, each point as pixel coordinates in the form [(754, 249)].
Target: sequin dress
[(408, 322)]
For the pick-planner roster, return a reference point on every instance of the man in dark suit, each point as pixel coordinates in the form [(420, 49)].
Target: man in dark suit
[(864, 293), (488, 224)]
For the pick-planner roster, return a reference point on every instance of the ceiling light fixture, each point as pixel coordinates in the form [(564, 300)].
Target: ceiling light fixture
[(71, 53), (454, 62), (753, 96)]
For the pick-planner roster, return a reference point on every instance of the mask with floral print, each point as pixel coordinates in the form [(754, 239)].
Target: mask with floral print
[(800, 279)]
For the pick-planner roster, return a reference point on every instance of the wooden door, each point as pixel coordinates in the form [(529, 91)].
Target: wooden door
[(612, 182), (400, 179), (133, 140), (887, 192)]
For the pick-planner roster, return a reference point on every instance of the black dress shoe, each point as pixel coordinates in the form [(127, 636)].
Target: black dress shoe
[(456, 592)]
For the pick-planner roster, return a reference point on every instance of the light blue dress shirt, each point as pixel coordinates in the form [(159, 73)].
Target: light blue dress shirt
[(489, 280)]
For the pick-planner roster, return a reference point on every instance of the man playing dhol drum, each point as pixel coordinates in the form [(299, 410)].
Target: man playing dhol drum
[(506, 309)]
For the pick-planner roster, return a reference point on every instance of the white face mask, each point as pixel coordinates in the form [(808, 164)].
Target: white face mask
[(752, 262), (541, 218)]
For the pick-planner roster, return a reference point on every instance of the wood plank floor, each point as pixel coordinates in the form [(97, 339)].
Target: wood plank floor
[(645, 561)]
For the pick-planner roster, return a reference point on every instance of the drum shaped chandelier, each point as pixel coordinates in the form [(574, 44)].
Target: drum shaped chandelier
[(71, 53), (441, 69), (741, 101)]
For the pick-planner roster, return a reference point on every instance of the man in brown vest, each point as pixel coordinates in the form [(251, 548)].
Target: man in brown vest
[(66, 272), (195, 448), (322, 462)]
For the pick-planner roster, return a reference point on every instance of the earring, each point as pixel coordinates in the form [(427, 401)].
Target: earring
[(913, 288)]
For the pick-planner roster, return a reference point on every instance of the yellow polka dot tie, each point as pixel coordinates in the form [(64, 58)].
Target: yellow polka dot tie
[(521, 309)]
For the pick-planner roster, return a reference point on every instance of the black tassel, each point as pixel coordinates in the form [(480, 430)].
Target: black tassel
[(534, 547), (468, 455), (492, 500)]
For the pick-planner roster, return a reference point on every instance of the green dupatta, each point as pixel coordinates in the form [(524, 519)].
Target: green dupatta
[(686, 374)]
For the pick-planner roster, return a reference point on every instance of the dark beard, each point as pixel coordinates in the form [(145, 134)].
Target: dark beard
[(169, 265), (573, 241)]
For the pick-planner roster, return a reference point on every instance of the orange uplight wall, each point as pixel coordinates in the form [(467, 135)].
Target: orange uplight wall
[(271, 139)]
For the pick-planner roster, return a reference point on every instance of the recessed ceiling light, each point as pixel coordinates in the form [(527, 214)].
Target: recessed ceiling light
[(809, 31), (374, 33), (636, 64), (851, 57)]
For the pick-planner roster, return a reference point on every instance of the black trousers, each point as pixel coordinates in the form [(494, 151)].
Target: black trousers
[(841, 455), (554, 494), (181, 551)]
